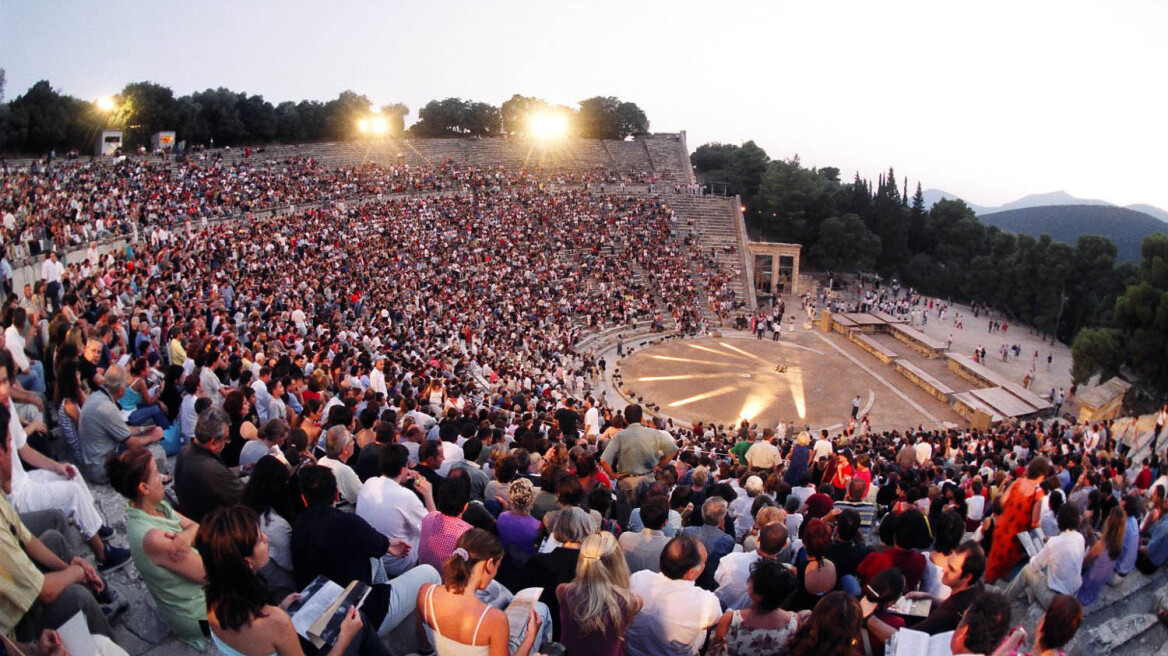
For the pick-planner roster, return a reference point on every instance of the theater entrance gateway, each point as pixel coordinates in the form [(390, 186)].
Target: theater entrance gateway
[(775, 266)]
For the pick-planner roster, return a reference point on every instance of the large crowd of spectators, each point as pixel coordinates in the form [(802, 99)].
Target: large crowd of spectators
[(388, 392)]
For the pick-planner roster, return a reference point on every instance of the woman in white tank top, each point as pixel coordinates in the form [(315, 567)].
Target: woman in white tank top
[(462, 625)]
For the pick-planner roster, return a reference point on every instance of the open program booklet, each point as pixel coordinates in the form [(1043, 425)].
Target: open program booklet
[(907, 642), (520, 608), (322, 606)]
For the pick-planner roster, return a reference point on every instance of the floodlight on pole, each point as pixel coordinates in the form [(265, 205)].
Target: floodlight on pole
[(105, 104)]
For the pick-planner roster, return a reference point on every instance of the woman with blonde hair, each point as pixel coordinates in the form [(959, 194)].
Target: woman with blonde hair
[(597, 607), (461, 624)]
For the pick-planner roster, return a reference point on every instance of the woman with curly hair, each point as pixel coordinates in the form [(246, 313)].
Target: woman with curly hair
[(831, 630), (764, 628)]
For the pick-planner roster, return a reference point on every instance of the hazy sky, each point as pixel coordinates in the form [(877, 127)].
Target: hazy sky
[(989, 100)]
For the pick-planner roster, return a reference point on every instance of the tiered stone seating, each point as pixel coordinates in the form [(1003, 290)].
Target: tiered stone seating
[(667, 153), (881, 352), (925, 345), (715, 219), (924, 380)]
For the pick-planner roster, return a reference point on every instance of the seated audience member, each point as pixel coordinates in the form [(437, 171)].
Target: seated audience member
[(597, 607), (733, 573), (389, 504), (471, 450), (1058, 625), (339, 546), (643, 548), (983, 626), (1131, 539), (338, 449), (201, 481), (458, 622), (1099, 562), (160, 540), (676, 614), (367, 466), (879, 596), (909, 528), (763, 626), (1057, 568), (817, 574), (1153, 555), (713, 537), (442, 527), (269, 442), (963, 574), (144, 407), (267, 492), (948, 528), (518, 530), (52, 485), (847, 550), (103, 430), (857, 489), (242, 621), (44, 586), (548, 570), (832, 629)]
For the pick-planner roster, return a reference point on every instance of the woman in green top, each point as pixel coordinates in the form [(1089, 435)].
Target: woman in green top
[(160, 544)]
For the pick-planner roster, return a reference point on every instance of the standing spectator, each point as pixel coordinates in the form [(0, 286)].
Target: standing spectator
[(1022, 511)]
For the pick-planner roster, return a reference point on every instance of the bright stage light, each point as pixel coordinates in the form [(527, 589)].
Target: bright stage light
[(378, 125), (363, 125), (547, 125), (105, 104)]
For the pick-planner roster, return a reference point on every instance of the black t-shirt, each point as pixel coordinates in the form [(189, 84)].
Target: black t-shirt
[(846, 556), (568, 419)]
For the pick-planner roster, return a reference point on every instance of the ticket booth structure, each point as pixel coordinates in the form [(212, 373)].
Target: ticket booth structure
[(776, 267), (109, 143)]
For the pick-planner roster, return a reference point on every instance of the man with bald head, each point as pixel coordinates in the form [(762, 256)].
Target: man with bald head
[(103, 430)]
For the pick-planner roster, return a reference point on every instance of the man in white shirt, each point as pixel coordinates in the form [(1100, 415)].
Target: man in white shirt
[(393, 509), (591, 419), (30, 374), (924, 451), (263, 402), (1057, 568), (377, 378), (733, 575), (338, 449), (822, 447), (676, 614), (762, 454)]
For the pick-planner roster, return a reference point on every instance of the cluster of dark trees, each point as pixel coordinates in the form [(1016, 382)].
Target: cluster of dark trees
[(1114, 313), (43, 119)]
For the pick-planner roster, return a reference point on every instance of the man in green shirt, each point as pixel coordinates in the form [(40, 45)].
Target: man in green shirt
[(631, 457)]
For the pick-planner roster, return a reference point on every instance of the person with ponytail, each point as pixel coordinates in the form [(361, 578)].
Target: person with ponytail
[(462, 625), (597, 607), (160, 544), (242, 622)]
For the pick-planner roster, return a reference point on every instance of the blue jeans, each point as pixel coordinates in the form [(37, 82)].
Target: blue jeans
[(149, 414), (34, 379)]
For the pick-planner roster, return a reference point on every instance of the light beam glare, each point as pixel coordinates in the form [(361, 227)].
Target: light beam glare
[(702, 397), (738, 350), (673, 359), (650, 379), (710, 350)]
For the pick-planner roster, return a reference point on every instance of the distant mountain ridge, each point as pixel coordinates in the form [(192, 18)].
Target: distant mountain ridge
[(1049, 199), (1066, 223)]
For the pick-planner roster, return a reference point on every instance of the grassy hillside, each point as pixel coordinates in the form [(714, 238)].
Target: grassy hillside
[(1127, 228)]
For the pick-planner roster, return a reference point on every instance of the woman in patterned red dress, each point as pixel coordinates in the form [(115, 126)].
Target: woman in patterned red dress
[(1022, 504)]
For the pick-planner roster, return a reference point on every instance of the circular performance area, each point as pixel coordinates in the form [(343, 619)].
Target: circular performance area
[(801, 378)]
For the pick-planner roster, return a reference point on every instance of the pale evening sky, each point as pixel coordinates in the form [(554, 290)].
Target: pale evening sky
[(990, 100)]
